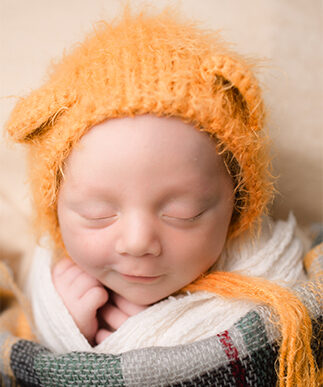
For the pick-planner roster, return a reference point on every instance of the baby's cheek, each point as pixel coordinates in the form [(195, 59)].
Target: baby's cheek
[(199, 252), (87, 247)]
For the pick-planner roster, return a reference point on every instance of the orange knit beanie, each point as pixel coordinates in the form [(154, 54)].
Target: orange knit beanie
[(146, 65)]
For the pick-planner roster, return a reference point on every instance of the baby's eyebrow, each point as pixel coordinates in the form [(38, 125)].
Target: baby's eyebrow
[(88, 202), (201, 200)]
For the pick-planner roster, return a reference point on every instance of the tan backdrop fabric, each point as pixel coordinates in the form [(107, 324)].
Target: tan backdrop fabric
[(286, 34)]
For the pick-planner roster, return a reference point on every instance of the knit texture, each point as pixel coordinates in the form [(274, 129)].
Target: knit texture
[(138, 65)]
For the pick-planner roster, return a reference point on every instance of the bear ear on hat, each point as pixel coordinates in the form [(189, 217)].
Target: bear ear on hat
[(36, 114), (239, 75)]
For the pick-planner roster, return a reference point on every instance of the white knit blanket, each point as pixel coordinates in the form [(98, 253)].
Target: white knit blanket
[(275, 255)]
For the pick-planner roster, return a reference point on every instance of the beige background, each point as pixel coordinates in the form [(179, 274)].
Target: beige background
[(286, 33)]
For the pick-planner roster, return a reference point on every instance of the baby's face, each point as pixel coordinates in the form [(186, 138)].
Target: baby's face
[(145, 206)]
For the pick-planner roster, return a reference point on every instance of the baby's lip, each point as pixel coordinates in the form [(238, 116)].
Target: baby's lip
[(140, 278)]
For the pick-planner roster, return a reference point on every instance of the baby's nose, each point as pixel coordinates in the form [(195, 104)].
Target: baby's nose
[(138, 237)]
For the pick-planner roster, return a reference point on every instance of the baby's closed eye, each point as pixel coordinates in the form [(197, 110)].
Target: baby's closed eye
[(184, 217)]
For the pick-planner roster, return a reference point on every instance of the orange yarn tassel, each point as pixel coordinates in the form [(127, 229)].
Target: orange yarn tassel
[(296, 362)]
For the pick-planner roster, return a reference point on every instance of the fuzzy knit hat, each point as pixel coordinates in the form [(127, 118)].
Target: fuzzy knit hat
[(141, 64)]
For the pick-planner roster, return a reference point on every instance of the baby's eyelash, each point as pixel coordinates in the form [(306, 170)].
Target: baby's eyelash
[(103, 217), (99, 218), (195, 217), (191, 219)]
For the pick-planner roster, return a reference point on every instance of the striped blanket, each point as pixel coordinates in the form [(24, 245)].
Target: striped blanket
[(243, 355)]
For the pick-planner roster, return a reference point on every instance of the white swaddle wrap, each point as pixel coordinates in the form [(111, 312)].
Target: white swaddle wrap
[(275, 255)]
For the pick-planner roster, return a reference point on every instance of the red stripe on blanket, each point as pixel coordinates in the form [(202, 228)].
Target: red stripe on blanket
[(238, 371)]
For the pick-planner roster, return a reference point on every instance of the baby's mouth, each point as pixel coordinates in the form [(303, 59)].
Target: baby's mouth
[(139, 278)]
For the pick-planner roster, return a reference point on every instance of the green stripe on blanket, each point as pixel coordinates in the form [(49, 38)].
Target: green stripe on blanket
[(261, 346), (79, 369)]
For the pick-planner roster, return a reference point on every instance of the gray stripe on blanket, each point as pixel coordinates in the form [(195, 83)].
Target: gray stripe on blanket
[(144, 367), (310, 294)]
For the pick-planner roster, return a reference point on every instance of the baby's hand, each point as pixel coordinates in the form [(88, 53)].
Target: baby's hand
[(114, 314), (82, 295)]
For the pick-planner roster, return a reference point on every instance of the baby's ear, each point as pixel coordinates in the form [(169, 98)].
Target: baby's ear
[(239, 75), (36, 113)]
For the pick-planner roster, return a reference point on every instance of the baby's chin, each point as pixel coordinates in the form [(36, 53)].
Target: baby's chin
[(144, 298)]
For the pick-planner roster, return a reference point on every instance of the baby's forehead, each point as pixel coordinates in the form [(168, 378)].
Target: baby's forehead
[(154, 138), (149, 132), (145, 145)]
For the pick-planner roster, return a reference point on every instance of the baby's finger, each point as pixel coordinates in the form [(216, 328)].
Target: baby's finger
[(126, 306), (69, 275), (113, 316), (94, 299), (101, 335), (83, 283), (61, 266)]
